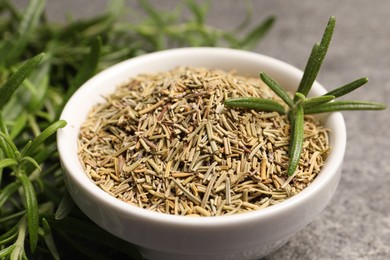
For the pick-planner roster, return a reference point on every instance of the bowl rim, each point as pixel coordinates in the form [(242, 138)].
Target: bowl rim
[(333, 161)]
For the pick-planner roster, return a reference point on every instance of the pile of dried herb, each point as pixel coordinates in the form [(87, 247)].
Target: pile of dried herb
[(165, 142)]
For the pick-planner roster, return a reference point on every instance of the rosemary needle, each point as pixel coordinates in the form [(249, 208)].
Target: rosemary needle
[(301, 105)]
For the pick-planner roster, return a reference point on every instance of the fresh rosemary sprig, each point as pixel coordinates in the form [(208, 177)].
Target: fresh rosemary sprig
[(300, 104), (33, 91), (17, 162)]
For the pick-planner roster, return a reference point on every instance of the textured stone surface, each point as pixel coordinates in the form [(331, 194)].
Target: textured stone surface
[(356, 225)]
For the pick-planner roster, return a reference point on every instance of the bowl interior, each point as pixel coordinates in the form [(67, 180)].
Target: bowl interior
[(245, 63)]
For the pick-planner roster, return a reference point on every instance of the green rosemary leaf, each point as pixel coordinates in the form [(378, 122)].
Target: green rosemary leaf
[(7, 162), (65, 206), (299, 97), (315, 101), (248, 16), (256, 104), (13, 48), (3, 127), (31, 16), (18, 125), (8, 146), (304, 83), (344, 105), (6, 251), (316, 58), (17, 78), (322, 50), (198, 10), (258, 33), (8, 151), (84, 28), (49, 240), (18, 252), (152, 12), (32, 161), (9, 235), (8, 191), (15, 14), (14, 107), (296, 142), (88, 68), (40, 84), (33, 124), (277, 89), (231, 40), (43, 136), (13, 216), (32, 210), (42, 155), (341, 91), (26, 146)]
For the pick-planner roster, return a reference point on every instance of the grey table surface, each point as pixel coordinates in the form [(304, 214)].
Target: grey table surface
[(356, 224)]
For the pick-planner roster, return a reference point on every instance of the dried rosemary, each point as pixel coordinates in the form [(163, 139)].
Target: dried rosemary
[(165, 142)]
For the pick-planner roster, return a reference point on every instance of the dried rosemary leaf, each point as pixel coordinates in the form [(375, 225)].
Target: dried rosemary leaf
[(165, 142)]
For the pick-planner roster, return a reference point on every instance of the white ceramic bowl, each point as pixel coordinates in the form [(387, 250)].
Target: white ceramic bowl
[(160, 236)]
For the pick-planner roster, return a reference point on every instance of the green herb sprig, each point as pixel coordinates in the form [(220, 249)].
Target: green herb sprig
[(300, 104), (17, 161)]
